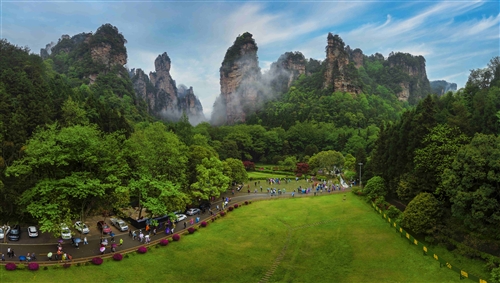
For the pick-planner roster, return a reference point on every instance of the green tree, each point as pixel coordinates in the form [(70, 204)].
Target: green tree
[(235, 170), (73, 113), (375, 187), (70, 169), (210, 180), (326, 160), (422, 213), (472, 184)]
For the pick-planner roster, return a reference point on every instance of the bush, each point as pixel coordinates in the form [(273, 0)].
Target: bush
[(142, 250), (422, 213), (45, 268), (97, 260), (213, 219), (203, 224), (33, 266), (222, 213), (163, 242), (117, 256), (495, 275), (246, 202), (236, 205), (375, 187), (10, 266), (191, 230), (231, 208), (176, 237)]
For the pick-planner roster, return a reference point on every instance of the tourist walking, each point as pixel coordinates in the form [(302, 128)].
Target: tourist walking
[(85, 242), (121, 241)]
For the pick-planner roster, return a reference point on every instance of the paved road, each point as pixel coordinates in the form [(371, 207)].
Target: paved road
[(46, 243)]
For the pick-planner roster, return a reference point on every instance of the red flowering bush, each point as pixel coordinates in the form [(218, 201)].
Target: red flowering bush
[(117, 257), (203, 224), (222, 213), (142, 250), (213, 219), (163, 242), (97, 260), (191, 230), (176, 237), (236, 205), (231, 208), (33, 266), (10, 266)]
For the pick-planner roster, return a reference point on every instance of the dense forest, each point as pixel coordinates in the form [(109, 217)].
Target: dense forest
[(70, 149)]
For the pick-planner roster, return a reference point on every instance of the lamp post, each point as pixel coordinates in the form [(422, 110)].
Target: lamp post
[(360, 182)]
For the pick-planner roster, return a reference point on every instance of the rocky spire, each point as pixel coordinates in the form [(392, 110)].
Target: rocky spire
[(239, 79)]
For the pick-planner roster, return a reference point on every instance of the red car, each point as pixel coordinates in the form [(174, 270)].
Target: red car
[(103, 227)]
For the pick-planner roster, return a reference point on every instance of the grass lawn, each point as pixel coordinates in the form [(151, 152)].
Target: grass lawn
[(256, 175), (315, 239)]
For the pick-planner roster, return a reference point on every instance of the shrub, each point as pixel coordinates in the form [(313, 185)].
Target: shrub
[(45, 268), (236, 205), (142, 250), (191, 230), (203, 224), (213, 219), (422, 213), (117, 256), (10, 266), (33, 266), (176, 237), (222, 213), (231, 208), (246, 202), (67, 265), (97, 260), (375, 187), (163, 242)]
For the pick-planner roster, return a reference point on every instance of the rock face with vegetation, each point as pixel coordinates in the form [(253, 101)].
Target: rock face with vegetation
[(89, 58), (413, 80), (442, 87), (286, 70), (240, 78), (339, 74)]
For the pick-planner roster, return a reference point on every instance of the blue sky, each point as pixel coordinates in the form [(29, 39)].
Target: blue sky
[(453, 36)]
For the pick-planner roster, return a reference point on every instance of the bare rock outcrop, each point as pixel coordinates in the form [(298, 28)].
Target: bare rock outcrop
[(164, 84), (338, 72), (240, 79)]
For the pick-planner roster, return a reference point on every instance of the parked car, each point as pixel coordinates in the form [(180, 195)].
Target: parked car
[(82, 227), (4, 231), (32, 232), (65, 232), (193, 211), (180, 217), (119, 223), (15, 233), (103, 227)]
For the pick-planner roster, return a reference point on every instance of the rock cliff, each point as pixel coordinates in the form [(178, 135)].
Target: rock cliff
[(162, 96), (165, 86), (442, 87), (415, 84), (339, 74), (240, 81), (287, 69), (355, 56)]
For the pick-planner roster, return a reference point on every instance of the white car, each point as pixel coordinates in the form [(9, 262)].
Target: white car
[(82, 227), (4, 230), (32, 232), (180, 217), (120, 224), (65, 232)]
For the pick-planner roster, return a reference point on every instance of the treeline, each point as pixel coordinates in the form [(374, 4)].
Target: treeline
[(442, 159)]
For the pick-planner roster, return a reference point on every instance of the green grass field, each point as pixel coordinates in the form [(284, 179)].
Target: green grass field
[(315, 239)]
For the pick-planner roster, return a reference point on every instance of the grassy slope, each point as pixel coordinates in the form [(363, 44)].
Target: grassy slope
[(352, 245)]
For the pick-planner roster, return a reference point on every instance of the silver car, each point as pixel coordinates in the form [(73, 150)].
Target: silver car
[(120, 224), (32, 232), (4, 230), (82, 227)]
